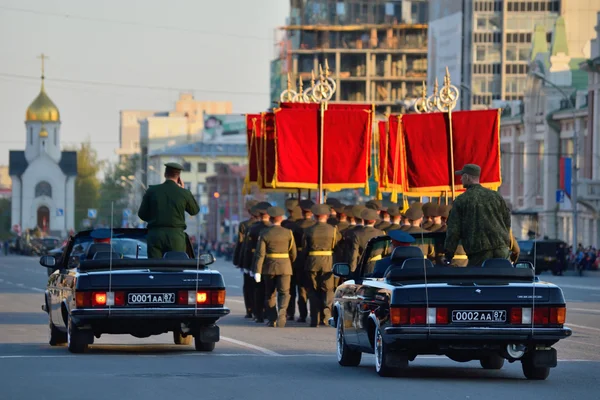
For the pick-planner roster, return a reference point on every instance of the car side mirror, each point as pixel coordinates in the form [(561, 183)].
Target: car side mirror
[(341, 270), (206, 258), (48, 261)]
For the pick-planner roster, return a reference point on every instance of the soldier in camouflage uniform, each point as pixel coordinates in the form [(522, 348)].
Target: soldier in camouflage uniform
[(275, 252), (250, 242), (248, 288), (361, 237), (318, 245), (480, 219)]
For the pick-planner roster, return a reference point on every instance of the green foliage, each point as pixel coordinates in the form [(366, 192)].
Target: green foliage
[(87, 183), (115, 192)]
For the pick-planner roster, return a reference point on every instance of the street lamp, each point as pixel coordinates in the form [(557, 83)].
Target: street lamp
[(575, 166)]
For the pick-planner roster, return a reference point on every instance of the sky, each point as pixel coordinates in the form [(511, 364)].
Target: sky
[(111, 55)]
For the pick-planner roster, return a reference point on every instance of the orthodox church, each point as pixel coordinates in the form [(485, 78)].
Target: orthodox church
[(43, 176)]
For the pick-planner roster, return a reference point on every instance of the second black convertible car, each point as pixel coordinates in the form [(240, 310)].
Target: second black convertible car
[(407, 306), (110, 286)]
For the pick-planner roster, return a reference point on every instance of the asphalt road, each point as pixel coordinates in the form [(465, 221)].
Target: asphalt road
[(255, 362)]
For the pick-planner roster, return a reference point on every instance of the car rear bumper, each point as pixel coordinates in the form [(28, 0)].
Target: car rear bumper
[(150, 313), (499, 334)]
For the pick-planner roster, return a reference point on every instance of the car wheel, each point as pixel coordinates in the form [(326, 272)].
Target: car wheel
[(56, 336), (346, 356), (381, 357), (532, 372), (179, 339), (76, 339), (493, 361), (203, 346)]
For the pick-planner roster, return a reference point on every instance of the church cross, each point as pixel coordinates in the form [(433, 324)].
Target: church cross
[(43, 57)]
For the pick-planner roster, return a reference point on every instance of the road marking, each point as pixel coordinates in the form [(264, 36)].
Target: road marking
[(233, 286), (36, 289), (584, 309), (35, 356), (583, 327), (596, 289), (21, 285), (584, 343), (251, 346)]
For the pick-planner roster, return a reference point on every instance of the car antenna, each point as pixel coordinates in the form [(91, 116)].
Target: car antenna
[(425, 278), (534, 275), (112, 214), (197, 272)]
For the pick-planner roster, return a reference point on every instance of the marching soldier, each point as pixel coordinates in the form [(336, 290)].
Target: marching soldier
[(343, 223), (395, 218), (319, 242), (333, 217), (292, 224), (237, 259), (362, 236), (385, 223), (275, 253), (436, 218), (415, 217), (163, 208), (251, 240), (427, 217), (301, 278)]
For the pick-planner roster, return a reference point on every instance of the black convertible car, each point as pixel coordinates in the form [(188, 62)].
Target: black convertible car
[(98, 288), (492, 313)]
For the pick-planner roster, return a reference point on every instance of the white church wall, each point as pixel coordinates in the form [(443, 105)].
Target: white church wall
[(37, 146), (15, 203)]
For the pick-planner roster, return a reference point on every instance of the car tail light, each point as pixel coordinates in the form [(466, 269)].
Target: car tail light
[(107, 299), (399, 315), (83, 299), (541, 316), (204, 297), (418, 315), (441, 316)]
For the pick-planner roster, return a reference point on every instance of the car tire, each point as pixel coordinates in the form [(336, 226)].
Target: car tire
[(345, 355), (56, 336), (179, 339), (532, 372), (77, 340), (203, 346), (493, 361), (381, 355)]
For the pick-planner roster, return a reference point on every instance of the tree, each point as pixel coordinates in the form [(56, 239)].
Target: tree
[(87, 184), (115, 191)]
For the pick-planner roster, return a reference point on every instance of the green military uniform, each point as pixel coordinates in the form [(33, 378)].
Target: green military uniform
[(275, 252), (435, 212), (383, 225), (250, 243), (460, 258), (295, 217), (480, 219), (163, 208), (361, 238), (427, 214), (248, 286), (319, 242), (394, 212), (299, 272), (514, 248), (342, 223)]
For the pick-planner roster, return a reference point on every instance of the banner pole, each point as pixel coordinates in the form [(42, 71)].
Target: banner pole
[(321, 140), (451, 155)]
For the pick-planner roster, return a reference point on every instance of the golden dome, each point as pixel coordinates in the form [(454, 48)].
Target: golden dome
[(42, 109), (43, 132)]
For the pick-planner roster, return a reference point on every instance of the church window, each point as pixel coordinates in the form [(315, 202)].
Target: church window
[(43, 189), (30, 135), (55, 137)]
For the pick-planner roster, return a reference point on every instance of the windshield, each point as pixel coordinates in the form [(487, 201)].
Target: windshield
[(130, 245)]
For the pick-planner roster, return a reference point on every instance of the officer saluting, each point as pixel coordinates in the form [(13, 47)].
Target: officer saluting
[(275, 252), (163, 208)]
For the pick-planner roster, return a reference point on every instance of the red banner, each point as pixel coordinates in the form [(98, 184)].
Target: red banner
[(268, 154), (476, 140), (392, 168), (254, 137)]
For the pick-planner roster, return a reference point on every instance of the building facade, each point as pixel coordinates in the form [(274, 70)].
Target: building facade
[(487, 43), (43, 176), (376, 50)]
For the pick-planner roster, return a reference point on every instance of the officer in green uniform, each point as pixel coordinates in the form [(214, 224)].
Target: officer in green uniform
[(395, 218), (250, 243), (248, 287), (362, 236), (319, 242), (275, 252), (415, 217), (295, 216), (480, 219), (163, 208), (299, 271)]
